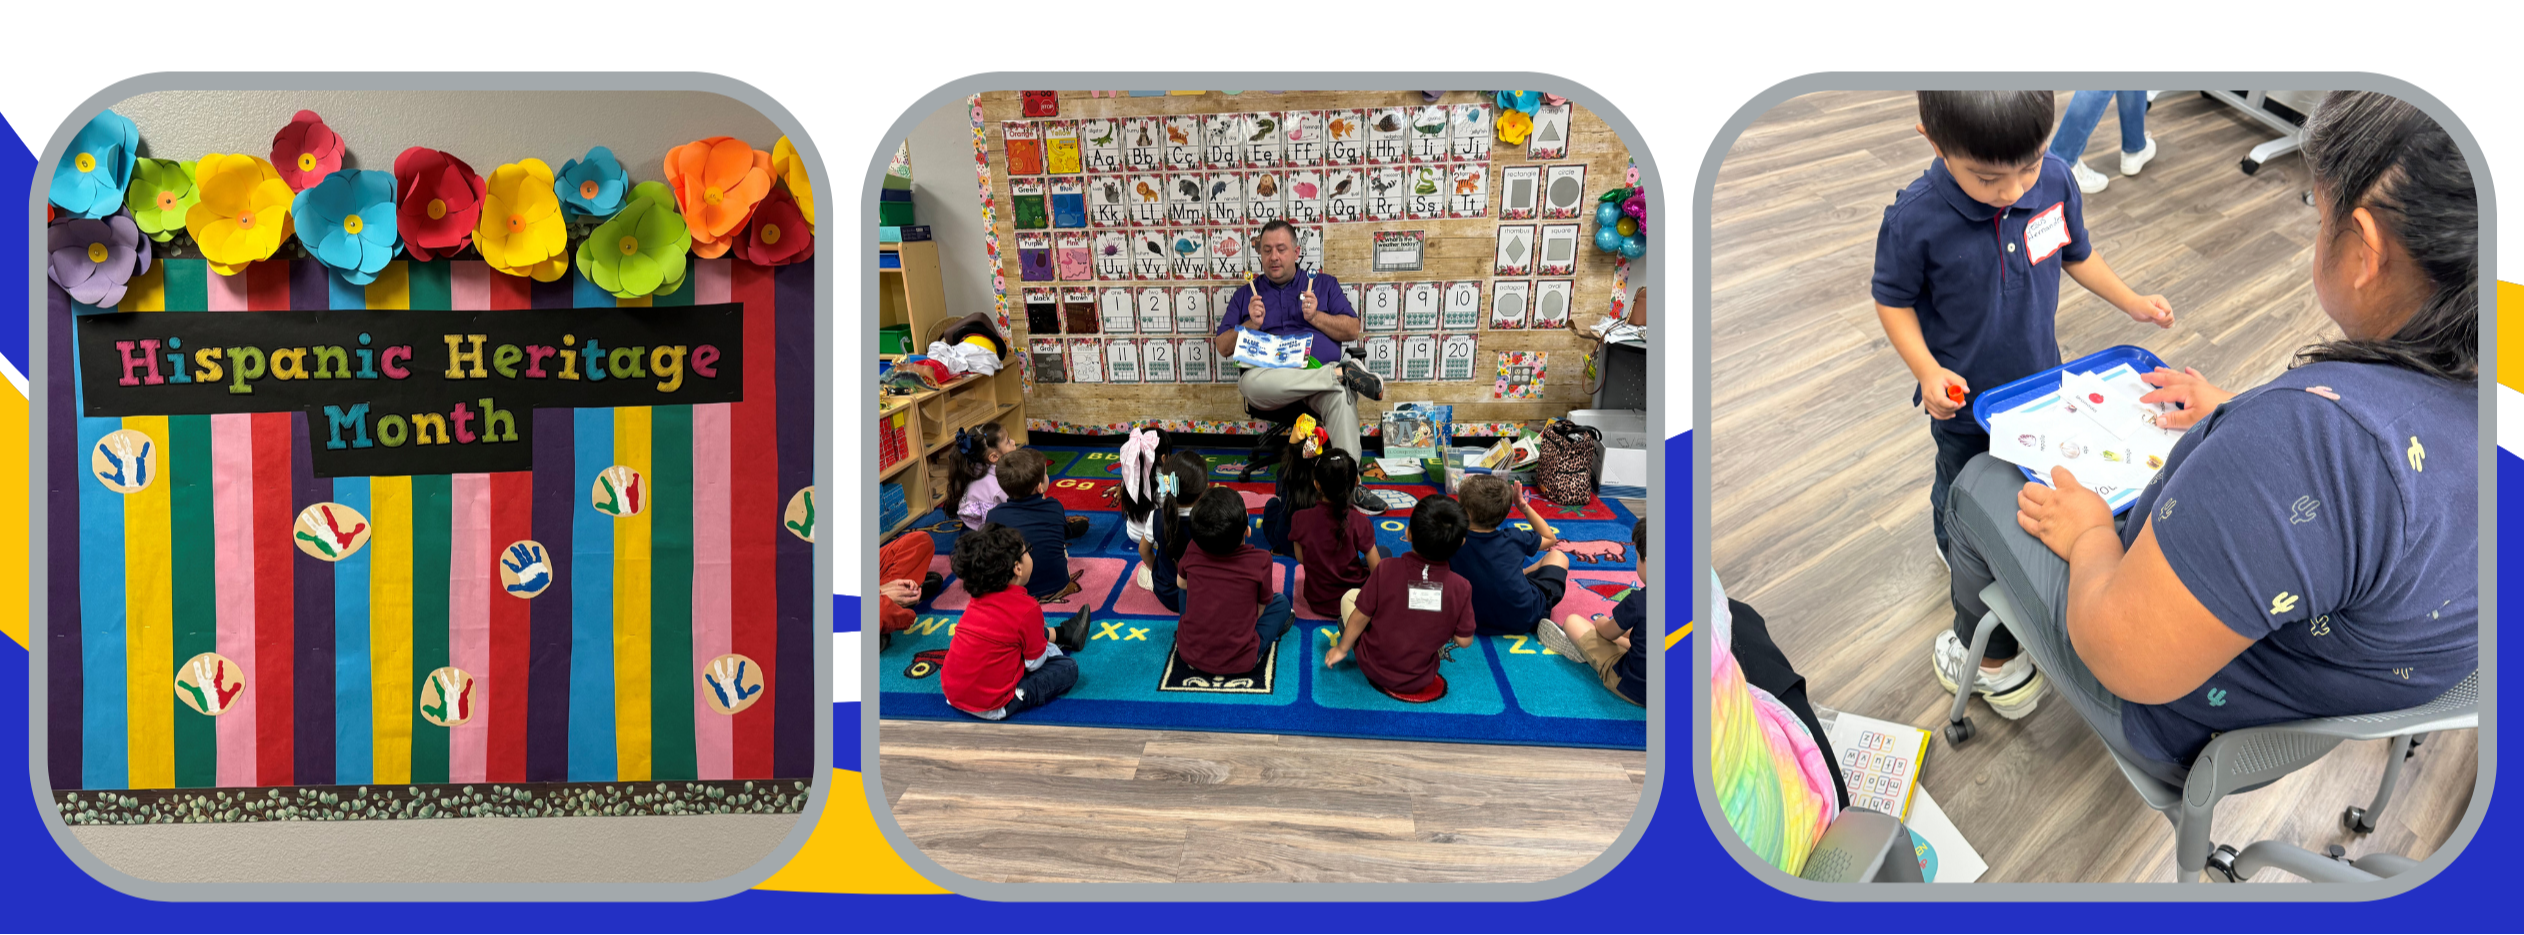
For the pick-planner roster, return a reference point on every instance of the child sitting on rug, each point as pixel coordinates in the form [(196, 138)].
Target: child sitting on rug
[(1179, 483), (1038, 518), (1616, 645), (1411, 607), (1232, 617), (1335, 543), (1508, 595), (971, 486), (997, 662)]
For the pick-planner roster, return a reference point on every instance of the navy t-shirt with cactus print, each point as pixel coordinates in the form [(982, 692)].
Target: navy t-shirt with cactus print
[(2333, 516)]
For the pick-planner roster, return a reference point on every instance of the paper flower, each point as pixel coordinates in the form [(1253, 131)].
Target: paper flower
[(96, 168), (161, 191), (641, 251), (243, 214), (1513, 126), (779, 234), (522, 232), (790, 166), (306, 151), (594, 187), (437, 199), (95, 260), (347, 222), (717, 182)]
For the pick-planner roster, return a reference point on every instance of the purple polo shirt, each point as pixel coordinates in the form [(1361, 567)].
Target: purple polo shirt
[(1281, 313)]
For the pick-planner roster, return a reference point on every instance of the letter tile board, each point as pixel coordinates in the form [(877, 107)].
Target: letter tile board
[(1177, 187), (469, 543)]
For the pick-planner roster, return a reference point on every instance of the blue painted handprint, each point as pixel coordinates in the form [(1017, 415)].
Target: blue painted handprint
[(525, 562), (727, 680), (129, 465)]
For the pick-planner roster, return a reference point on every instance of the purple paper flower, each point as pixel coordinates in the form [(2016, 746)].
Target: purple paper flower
[(95, 260)]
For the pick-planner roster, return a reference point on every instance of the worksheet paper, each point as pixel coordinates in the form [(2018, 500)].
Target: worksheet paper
[(2096, 427)]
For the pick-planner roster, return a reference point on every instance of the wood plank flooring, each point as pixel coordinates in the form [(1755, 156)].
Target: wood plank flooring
[(1834, 545)]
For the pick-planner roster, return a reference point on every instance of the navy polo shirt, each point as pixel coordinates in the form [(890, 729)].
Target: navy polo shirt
[(1045, 527), (2332, 516), (1283, 315), (1987, 294)]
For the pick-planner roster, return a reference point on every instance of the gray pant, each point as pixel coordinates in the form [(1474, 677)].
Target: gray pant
[(1335, 406), (1987, 546)]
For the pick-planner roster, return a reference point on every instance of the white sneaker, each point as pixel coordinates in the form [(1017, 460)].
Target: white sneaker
[(1559, 641), (1145, 580), (2013, 690), (2088, 180), (2132, 162)]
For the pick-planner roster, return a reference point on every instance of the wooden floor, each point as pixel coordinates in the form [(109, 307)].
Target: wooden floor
[(1833, 545)]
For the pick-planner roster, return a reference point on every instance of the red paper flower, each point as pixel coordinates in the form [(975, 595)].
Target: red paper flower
[(306, 151), (438, 199), (778, 234)]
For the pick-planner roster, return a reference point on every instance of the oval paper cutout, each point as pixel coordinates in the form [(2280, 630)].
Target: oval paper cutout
[(799, 519), (618, 492), (329, 531), (449, 697), (125, 461), (731, 683), (525, 569), (210, 683)]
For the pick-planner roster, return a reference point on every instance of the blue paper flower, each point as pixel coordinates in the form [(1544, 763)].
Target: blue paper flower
[(96, 168), (594, 187), (347, 222)]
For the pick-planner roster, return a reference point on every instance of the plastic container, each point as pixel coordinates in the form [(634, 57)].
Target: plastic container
[(893, 339), (1622, 428), (2018, 392)]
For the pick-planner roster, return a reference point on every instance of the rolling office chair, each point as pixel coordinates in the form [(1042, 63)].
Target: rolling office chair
[(1863, 846), (2253, 757)]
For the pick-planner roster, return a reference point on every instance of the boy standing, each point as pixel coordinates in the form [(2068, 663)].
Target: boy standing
[(1615, 645), (1508, 595), (998, 662), (1411, 607), (1968, 263), (1231, 615), (1039, 519)]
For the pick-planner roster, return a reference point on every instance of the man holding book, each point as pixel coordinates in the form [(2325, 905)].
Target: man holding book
[(1283, 302)]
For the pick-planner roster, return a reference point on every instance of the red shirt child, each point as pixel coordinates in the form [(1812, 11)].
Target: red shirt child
[(1223, 596), (1331, 556), (1000, 631), (1400, 647)]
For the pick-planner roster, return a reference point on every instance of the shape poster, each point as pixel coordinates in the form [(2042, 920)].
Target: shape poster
[(1510, 301), (1564, 191), (1520, 193), (1550, 139), (1559, 250), (1551, 303)]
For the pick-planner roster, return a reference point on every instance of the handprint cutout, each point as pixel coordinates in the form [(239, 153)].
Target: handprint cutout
[(732, 689), (800, 516), (330, 531), (203, 681), (524, 570), (617, 492), (123, 461)]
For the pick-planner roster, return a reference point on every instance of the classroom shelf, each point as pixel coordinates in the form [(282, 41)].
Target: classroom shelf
[(913, 295)]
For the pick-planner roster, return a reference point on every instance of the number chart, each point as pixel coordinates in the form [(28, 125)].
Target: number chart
[(1879, 761)]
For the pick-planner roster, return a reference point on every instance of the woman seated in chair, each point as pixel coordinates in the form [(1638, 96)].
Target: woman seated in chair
[(2311, 547)]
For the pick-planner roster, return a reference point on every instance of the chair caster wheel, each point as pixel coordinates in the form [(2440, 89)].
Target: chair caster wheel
[(2251, 165), (1959, 732), (2356, 819), (2221, 865)]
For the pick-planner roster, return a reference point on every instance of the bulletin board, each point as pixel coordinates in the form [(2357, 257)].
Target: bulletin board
[(1119, 228)]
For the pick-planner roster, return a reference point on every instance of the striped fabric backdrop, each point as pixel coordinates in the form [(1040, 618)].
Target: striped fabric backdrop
[(594, 680)]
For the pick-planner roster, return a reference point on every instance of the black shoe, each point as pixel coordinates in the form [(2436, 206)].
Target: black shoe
[(931, 586), (1077, 526), (1073, 633), (1368, 502), (1357, 380), (884, 640)]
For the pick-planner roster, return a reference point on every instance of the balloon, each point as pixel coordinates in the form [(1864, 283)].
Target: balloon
[(1607, 239), (1626, 226), (1607, 213), (1633, 246), (1636, 206)]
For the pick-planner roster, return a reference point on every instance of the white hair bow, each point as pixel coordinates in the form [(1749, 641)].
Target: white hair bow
[(1139, 449)]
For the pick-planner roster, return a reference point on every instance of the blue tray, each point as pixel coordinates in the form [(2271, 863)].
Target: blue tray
[(2019, 392)]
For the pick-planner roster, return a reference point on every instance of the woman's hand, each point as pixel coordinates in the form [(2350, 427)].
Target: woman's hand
[(2193, 392), (2059, 516), (904, 592)]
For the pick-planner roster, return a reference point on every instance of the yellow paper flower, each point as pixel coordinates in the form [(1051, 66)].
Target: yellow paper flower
[(1513, 126), (244, 212), (522, 232), (791, 168)]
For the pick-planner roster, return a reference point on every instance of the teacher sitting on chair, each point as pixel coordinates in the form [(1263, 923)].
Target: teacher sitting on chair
[(1285, 302)]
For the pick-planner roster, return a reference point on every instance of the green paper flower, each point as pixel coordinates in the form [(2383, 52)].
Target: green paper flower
[(641, 251), (161, 191)]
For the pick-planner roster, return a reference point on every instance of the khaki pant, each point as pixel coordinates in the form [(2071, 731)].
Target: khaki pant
[(1349, 605), (1335, 406), (1603, 655)]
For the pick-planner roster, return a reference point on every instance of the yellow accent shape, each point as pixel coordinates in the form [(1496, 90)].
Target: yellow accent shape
[(392, 289), (13, 513), (390, 625), (846, 853), (1677, 636), (2511, 336), (149, 619), (631, 568)]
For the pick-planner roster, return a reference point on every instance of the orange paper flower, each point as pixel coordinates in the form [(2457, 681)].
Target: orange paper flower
[(717, 183)]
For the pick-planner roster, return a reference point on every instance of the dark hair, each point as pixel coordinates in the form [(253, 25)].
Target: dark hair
[(1336, 476), (1218, 521), (967, 459), (2375, 151), (1437, 527), (1486, 499), (1639, 537), (1277, 224), (1138, 507), (1020, 472), (2008, 128), (1296, 480), (1191, 477), (986, 558)]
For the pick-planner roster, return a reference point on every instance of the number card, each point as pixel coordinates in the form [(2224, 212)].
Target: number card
[(1516, 250), (1260, 134), (1463, 306), (1050, 366), (1069, 201), (1551, 303), (1121, 359), (1182, 142), (1550, 139), (1386, 197), (1151, 254), (1419, 306), (1086, 360), (1120, 311), (1520, 193), (1303, 132), (1222, 368), (1224, 304), (1112, 254), (1344, 137), (1510, 300), (1042, 310), (1146, 196), (1226, 197), (1105, 205), (1310, 246), (1191, 310), (1081, 317), (1454, 357), (1034, 257), (1081, 298), (1382, 354), (1157, 360), (1191, 253), (1103, 138), (1184, 198), (1419, 358), (1060, 148), (1428, 191), (1305, 196), (1192, 358), (1026, 202), (1156, 311), (1428, 133), (1344, 195), (1559, 249), (1143, 144), (1222, 143), (1471, 136), (1383, 311), (1388, 135), (1263, 197), (1024, 140), (1564, 191), (1228, 256), (1350, 295), (1470, 197)]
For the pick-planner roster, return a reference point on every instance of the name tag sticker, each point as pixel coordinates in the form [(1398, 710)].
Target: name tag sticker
[(1428, 596), (2046, 233)]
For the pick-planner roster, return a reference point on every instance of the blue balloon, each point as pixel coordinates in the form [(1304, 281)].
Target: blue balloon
[(1607, 239), (1607, 213), (1633, 246)]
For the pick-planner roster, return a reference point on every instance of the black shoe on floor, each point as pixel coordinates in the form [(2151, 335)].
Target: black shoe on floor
[(931, 586), (1368, 502), (1358, 380), (1077, 526), (1073, 633), (884, 640)]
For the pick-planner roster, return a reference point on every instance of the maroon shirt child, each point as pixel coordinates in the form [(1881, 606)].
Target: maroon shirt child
[(1222, 600), (1398, 650), (986, 657), (1332, 568)]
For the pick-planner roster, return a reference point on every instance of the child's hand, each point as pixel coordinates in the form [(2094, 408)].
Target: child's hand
[(1332, 657), (904, 592), (1934, 395), (2152, 309), (2193, 392)]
